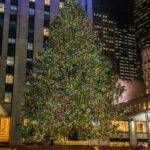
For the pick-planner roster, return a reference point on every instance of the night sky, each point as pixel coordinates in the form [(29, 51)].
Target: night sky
[(120, 10)]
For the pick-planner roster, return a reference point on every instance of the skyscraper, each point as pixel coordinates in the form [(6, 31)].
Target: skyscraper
[(118, 43), (106, 32), (24, 30), (142, 28), (125, 52), (142, 23)]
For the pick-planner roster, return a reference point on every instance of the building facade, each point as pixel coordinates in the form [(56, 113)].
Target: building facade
[(125, 52), (136, 130), (24, 30), (142, 28), (146, 68), (118, 43), (106, 32)]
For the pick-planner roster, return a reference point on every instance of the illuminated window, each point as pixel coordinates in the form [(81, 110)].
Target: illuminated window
[(12, 40), (9, 79), (123, 126), (61, 5), (148, 104), (146, 83), (46, 32), (119, 144), (13, 8), (147, 91), (31, 11), (4, 129), (144, 105), (32, 0), (47, 2), (30, 46), (10, 61), (144, 144), (8, 97), (141, 127), (2, 8)]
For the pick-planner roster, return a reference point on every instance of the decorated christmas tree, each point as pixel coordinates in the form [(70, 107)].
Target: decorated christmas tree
[(71, 89)]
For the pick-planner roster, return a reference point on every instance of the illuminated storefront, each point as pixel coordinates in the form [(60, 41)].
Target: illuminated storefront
[(4, 129), (4, 126)]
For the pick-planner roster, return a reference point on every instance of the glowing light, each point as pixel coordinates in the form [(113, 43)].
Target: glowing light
[(4, 129)]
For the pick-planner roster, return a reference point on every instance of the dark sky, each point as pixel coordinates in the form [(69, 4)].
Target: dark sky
[(120, 10)]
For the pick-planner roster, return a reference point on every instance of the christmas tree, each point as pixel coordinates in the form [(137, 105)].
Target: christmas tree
[(72, 86)]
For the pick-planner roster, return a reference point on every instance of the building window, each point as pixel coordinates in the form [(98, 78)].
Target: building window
[(144, 105), (46, 23), (47, 2), (12, 33), (46, 32), (141, 127), (122, 126), (30, 46), (11, 50), (47, 8), (1, 17), (12, 40), (14, 2), (29, 65), (30, 38), (31, 23), (9, 87), (8, 97), (61, 5), (147, 91), (32, 5), (2, 7), (119, 144), (29, 54), (13, 9), (142, 144), (31, 11), (9, 69), (4, 129), (148, 104), (10, 61), (9, 79), (2, 1)]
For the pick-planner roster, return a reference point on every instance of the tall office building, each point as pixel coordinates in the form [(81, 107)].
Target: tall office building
[(106, 32), (24, 30), (142, 23), (142, 28), (118, 43), (125, 52)]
